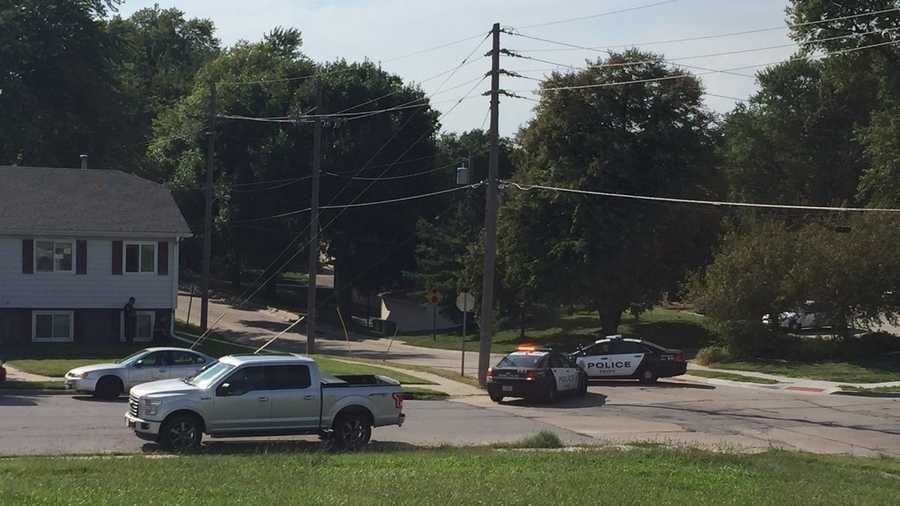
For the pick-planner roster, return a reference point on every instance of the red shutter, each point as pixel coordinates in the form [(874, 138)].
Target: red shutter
[(80, 257), (117, 257), (27, 256), (162, 258)]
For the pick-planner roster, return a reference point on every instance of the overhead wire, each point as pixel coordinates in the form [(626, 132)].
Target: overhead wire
[(602, 14), (721, 203)]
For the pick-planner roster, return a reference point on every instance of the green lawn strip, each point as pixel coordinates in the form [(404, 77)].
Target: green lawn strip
[(58, 358), (437, 371), (455, 476), (32, 385), (666, 327), (423, 394), (877, 390), (870, 371), (730, 377)]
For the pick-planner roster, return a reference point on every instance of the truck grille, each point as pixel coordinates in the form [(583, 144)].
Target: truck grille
[(133, 406)]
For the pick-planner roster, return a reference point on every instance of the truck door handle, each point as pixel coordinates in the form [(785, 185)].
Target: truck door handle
[(262, 399), (308, 397)]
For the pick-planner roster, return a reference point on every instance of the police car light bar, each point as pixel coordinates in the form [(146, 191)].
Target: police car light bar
[(526, 348)]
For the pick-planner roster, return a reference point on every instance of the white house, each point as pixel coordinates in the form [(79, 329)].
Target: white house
[(75, 244)]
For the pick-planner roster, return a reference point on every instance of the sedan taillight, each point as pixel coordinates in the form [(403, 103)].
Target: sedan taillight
[(679, 357)]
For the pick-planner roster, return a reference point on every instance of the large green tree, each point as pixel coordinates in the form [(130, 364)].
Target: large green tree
[(651, 139), (58, 94)]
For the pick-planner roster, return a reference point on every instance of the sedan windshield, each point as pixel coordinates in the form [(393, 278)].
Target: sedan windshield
[(207, 376), (524, 361)]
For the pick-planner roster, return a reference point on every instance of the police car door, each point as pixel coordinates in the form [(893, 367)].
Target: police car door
[(594, 360), (625, 357), (566, 375)]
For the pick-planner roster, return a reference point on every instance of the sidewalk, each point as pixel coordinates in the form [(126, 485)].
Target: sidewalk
[(785, 382), (13, 374)]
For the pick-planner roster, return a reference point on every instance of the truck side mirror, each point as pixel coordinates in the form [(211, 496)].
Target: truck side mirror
[(224, 390)]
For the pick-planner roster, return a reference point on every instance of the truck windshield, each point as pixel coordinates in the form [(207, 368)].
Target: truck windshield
[(205, 377)]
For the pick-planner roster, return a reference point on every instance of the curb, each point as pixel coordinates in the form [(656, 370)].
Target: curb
[(885, 395), (33, 391)]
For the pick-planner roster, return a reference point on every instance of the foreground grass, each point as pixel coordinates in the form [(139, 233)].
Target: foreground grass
[(871, 371), (455, 476), (730, 377), (666, 327)]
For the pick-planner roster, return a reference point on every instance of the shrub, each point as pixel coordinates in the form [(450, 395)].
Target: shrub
[(875, 343), (747, 339), (543, 439), (713, 355)]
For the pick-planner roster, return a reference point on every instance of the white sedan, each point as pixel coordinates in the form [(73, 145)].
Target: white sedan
[(108, 381)]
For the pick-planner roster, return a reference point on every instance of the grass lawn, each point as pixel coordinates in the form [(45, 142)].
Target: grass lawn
[(730, 376), (455, 476), (876, 390), (871, 371), (666, 327)]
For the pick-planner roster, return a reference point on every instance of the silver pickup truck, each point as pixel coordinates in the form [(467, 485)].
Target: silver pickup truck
[(264, 395)]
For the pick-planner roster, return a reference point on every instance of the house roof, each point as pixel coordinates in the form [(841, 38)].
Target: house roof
[(85, 202)]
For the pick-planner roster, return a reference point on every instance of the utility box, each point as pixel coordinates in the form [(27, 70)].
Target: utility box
[(462, 176)]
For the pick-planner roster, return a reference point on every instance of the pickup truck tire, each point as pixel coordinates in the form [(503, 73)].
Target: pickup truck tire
[(108, 387), (181, 433), (352, 431)]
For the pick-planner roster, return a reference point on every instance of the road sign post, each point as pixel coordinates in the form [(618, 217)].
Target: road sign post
[(434, 298), (465, 302)]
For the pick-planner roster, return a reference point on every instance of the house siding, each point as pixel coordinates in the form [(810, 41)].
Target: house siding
[(99, 288), (90, 326)]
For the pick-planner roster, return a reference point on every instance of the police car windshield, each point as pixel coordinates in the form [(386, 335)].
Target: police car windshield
[(521, 360)]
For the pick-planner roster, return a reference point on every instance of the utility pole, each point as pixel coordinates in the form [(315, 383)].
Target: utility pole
[(490, 218), (314, 228), (208, 220)]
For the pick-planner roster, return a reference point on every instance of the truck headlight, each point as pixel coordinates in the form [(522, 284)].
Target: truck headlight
[(150, 407)]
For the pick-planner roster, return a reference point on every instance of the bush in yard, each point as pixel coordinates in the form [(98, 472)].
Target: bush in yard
[(713, 355)]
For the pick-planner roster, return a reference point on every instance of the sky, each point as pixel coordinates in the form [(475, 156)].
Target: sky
[(384, 30)]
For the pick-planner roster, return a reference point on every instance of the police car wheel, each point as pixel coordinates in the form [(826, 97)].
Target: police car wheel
[(496, 397), (648, 377), (582, 386)]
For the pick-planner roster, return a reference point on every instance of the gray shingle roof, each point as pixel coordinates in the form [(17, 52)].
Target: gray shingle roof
[(93, 201)]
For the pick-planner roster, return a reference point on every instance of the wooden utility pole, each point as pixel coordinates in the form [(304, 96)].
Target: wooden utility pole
[(314, 229), (490, 218), (208, 220)]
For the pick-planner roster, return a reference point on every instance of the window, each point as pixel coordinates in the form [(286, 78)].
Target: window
[(140, 257), (155, 359), (244, 380), (556, 362), (623, 347), (287, 377), (598, 349), (52, 326), (54, 256), (179, 358), (522, 361)]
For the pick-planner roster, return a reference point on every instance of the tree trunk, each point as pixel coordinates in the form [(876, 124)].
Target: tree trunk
[(522, 321), (610, 317)]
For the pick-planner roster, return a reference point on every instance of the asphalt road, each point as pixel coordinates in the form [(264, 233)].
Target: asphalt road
[(60, 424), (613, 412)]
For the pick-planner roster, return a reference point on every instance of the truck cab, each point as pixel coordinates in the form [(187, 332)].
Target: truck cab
[(264, 395)]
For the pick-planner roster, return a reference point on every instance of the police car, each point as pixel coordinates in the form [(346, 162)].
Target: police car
[(535, 374), (617, 358)]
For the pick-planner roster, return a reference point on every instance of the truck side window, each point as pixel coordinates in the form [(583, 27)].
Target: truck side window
[(244, 380), (294, 377)]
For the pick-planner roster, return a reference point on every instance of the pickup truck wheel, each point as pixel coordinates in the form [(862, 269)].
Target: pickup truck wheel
[(108, 387), (181, 433), (352, 432)]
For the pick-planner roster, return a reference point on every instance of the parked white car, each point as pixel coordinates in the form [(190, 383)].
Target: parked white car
[(809, 316), (108, 381)]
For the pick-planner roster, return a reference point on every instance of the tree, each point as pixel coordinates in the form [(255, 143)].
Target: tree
[(652, 139), (159, 54), (58, 96)]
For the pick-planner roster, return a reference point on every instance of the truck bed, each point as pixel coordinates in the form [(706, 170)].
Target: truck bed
[(356, 380)]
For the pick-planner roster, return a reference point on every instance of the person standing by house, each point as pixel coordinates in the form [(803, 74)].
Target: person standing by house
[(130, 317)]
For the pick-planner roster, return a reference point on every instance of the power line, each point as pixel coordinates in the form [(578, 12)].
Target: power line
[(526, 188), (688, 75), (602, 14), (744, 32), (391, 178)]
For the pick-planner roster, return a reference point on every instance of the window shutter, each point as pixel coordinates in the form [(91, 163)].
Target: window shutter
[(117, 257), (27, 256), (162, 258), (81, 257)]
